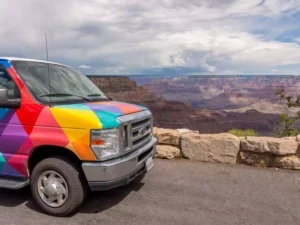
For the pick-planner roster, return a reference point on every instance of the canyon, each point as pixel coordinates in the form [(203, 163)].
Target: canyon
[(208, 106), (227, 93)]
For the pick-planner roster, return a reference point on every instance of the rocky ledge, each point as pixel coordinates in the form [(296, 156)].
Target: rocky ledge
[(226, 148)]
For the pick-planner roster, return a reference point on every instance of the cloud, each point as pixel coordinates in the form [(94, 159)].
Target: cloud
[(157, 36), (297, 40), (84, 67)]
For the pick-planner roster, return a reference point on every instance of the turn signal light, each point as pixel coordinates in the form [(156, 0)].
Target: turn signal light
[(97, 142)]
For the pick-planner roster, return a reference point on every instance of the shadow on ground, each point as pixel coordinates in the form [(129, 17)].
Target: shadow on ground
[(103, 200), (13, 198), (96, 201)]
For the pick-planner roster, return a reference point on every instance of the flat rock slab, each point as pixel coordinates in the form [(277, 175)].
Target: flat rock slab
[(277, 146), (222, 147)]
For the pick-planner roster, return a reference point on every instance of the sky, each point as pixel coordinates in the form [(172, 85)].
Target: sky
[(156, 37)]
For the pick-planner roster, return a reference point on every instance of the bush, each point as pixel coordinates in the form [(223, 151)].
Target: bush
[(286, 126), (242, 133)]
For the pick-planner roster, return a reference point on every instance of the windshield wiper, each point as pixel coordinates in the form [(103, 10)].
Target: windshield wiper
[(104, 97), (64, 94), (91, 95)]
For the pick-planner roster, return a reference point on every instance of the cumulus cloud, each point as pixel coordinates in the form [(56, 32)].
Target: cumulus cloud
[(157, 36), (84, 67), (297, 40)]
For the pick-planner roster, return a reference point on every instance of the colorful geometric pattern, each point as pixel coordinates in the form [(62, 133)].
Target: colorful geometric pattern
[(68, 126)]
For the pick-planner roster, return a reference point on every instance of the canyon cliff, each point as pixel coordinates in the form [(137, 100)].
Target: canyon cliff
[(227, 93), (178, 114)]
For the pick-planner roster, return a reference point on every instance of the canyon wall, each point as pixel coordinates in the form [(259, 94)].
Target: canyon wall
[(205, 139), (177, 114), (230, 93), (169, 114)]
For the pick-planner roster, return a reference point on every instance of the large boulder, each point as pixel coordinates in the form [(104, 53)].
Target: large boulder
[(167, 152), (170, 136), (287, 162), (277, 146), (222, 147), (257, 159), (167, 136)]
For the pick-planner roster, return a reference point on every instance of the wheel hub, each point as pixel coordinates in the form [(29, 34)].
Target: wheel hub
[(52, 188)]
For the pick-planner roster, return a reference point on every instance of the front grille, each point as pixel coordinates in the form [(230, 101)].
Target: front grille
[(144, 155), (140, 123), (137, 130), (141, 140)]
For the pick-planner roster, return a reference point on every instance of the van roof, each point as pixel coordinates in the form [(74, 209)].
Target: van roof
[(28, 59)]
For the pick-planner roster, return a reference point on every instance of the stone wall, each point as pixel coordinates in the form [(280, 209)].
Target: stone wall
[(226, 148)]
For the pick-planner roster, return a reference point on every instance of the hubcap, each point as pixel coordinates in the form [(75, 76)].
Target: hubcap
[(52, 188)]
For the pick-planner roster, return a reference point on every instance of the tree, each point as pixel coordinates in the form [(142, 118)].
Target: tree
[(286, 124)]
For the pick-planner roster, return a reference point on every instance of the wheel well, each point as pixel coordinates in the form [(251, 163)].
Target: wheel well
[(44, 152)]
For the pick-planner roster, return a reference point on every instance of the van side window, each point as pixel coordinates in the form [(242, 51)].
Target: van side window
[(7, 82)]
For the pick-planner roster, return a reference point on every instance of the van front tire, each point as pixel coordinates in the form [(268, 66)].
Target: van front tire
[(57, 187)]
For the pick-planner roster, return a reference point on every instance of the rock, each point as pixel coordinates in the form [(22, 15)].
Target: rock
[(167, 136), (277, 146), (170, 136), (298, 138), (287, 162), (290, 138), (222, 147), (182, 131), (257, 159), (167, 152), (155, 131), (242, 138)]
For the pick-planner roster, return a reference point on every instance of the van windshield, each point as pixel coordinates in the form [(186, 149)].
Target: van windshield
[(64, 84)]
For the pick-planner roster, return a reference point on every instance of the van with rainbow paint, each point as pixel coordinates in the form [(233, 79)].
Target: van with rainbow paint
[(61, 135)]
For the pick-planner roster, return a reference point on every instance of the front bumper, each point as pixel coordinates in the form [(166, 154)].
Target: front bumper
[(120, 171)]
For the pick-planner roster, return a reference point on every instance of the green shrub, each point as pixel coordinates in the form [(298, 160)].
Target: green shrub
[(242, 133), (286, 126)]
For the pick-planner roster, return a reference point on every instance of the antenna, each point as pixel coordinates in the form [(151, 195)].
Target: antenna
[(48, 67)]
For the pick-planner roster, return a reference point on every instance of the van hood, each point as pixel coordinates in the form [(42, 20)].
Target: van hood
[(94, 115)]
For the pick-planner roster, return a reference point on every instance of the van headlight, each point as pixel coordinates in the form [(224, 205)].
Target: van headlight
[(105, 143)]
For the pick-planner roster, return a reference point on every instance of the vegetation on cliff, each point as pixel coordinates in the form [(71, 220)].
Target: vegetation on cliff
[(286, 124), (243, 133)]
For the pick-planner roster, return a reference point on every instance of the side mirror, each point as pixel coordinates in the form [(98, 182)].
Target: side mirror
[(5, 102)]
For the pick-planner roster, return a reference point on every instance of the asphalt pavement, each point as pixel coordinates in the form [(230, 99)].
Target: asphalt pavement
[(179, 192)]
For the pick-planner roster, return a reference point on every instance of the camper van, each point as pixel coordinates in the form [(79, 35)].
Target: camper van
[(60, 134)]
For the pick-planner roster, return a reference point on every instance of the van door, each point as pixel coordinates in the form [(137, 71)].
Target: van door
[(12, 133)]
